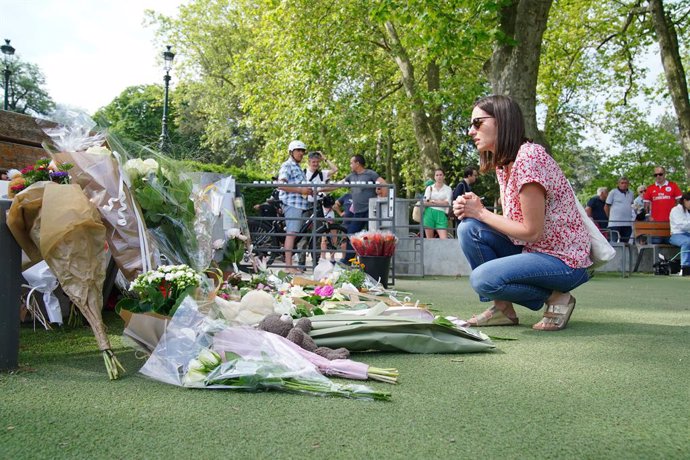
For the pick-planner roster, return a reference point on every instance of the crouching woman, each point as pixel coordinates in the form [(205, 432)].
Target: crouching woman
[(538, 250)]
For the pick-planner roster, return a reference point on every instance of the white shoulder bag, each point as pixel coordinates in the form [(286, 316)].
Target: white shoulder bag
[(600, 250)]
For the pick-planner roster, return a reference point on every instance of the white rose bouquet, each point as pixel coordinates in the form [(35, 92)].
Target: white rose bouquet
[(165, 199)]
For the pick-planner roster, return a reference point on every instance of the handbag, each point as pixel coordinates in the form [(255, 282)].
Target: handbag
[(417, 212), (600, 250)]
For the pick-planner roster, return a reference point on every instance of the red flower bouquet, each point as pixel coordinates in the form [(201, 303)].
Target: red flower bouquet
[(374, 243)]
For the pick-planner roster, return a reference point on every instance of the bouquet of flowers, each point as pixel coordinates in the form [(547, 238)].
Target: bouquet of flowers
[(97, 170), (162, 290), (180, 213), (164, 198), (233, 249), (199, 352), (374, 243), (43, 170), (57, 223), (353, 275)]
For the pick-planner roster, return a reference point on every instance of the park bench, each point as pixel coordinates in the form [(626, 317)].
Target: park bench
[(648, 230)]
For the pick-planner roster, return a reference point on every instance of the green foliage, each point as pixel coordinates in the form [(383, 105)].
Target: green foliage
[(232, 253), (26, 92), (259, 73), (354, 276), (325, 73), (136, 115), (161, 291), (645, 145)]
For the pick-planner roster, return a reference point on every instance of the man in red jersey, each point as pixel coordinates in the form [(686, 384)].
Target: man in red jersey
[(660, 198)]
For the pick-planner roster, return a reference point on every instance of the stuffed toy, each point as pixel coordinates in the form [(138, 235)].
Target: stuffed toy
[(298, 333), (253, 307)]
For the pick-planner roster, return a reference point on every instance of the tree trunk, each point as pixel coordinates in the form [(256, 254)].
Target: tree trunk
[(433, 84), (675, 74), (428, 143), (514, 67)]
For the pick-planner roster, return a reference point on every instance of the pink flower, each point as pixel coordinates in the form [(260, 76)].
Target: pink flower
[(324, 291)]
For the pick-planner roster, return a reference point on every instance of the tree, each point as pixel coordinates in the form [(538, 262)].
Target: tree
[(514, 66), (347, 77), (136, 114), (645, 145), (26, 93), (675, 73)]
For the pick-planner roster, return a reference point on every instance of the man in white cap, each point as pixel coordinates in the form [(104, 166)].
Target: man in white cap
[(293, 197)]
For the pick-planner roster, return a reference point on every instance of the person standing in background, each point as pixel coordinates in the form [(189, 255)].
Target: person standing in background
[(470, 176), (659, 199), (595, 208), (438, 197), (618, 209), (360, 197), (293, 196), (314, 173), (638, 204), (343, 206)]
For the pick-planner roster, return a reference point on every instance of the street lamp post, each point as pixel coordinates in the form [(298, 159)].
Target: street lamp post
[(8, 52), (168, 57)]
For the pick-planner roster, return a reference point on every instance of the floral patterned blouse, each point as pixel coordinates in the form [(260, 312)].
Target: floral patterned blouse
[(565, 235)]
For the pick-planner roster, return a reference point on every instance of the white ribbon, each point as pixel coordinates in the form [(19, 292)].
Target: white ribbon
[(122, 197), (35, 311)]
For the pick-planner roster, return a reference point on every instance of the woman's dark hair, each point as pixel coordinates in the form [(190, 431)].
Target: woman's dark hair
[(683, 198), (510, 131)]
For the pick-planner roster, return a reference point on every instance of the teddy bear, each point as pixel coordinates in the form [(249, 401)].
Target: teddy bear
[(298, 333)]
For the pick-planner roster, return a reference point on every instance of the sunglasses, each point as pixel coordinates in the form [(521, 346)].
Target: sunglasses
[(477, 122), (658, 174)]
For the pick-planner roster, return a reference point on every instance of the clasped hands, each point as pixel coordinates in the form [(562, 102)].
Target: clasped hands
[(468, 205)]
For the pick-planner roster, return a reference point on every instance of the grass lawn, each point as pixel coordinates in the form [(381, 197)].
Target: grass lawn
[(614, 384)]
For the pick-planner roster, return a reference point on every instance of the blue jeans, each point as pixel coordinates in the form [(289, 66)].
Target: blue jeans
[(501, 271), (682, 240), (353, 227)]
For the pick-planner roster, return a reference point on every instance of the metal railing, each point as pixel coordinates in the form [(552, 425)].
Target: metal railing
[(272, 228)]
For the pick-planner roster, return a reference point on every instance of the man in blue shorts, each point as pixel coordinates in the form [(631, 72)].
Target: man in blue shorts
[(293, 197)]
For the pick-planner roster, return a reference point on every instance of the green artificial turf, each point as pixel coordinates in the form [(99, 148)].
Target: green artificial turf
[(614, 384)]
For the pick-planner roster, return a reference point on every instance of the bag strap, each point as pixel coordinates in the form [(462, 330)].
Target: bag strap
[(314, 174)]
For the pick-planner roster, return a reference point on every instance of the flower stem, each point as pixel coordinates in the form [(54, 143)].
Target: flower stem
[(112, 365), (387, 375)]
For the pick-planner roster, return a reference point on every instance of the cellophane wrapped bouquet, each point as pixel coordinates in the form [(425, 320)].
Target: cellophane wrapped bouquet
[(98, 171), (180, 213), (374, 243), (61, 224), (199, 352)]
